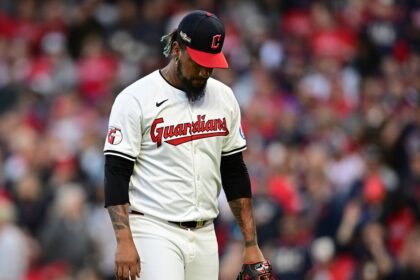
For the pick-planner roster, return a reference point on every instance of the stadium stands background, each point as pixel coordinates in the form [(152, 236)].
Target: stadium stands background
[(329, 92)]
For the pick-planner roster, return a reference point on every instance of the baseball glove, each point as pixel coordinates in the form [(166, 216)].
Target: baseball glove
[(256, 271)]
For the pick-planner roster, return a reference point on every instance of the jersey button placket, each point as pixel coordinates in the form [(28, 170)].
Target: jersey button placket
[(194, 156)]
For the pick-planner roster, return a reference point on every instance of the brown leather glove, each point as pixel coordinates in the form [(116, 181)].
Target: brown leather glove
[(256, 271)]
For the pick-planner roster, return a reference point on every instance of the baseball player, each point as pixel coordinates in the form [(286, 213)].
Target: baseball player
[(174, 140)]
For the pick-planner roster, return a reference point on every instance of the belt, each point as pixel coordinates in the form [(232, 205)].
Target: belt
[(190, 224), (184, 225)]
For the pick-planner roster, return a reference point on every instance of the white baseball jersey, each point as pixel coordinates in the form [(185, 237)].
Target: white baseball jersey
[(176, 146)]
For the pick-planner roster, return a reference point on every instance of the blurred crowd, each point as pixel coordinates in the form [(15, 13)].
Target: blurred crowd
[(330, 98)]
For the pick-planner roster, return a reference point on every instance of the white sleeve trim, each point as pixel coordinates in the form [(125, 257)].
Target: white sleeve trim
[(234, 151), (119, 154)]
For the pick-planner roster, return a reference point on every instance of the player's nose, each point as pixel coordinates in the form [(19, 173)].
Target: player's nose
[(205, 72)]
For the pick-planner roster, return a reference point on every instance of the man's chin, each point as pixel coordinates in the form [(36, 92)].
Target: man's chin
[(198, 84), (194, 95)]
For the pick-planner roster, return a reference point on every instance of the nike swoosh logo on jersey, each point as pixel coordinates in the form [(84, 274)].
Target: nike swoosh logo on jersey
[(160, 103)]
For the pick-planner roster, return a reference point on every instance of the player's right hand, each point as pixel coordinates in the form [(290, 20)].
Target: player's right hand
[(127, 261)]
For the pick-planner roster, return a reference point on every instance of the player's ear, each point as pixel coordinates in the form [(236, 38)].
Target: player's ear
[(176, 49)]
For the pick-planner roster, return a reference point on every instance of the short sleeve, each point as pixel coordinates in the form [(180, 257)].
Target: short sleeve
[(235, 142), (124, 129)]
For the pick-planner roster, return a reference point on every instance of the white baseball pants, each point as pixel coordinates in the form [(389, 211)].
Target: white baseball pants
[(170, 252)]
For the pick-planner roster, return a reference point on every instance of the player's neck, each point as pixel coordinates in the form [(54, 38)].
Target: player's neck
[(169, 73)]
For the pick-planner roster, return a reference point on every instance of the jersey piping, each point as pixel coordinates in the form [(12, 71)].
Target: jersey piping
[(119, 154), (237, 150)]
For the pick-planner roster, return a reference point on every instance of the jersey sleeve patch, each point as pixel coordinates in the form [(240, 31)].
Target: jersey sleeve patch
[(114, 136)]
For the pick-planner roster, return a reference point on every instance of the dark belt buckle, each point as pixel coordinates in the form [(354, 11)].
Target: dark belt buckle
[(191, 225)]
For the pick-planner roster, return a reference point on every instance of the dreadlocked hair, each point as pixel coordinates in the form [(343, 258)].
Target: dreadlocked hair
[(168, 39)]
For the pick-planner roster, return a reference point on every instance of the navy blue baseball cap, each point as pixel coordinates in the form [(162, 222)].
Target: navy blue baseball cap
[(203, 35)]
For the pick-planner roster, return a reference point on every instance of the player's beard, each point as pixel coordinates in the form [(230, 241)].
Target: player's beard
[(193, 92)]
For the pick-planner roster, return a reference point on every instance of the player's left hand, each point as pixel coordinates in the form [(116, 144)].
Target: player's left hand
[(253, 254), (255, 266)]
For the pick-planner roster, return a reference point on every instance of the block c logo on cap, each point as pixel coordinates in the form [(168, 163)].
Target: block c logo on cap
[(215, 44)]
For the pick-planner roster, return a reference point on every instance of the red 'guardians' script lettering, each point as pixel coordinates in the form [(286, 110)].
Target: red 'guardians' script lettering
[(186, 132)]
